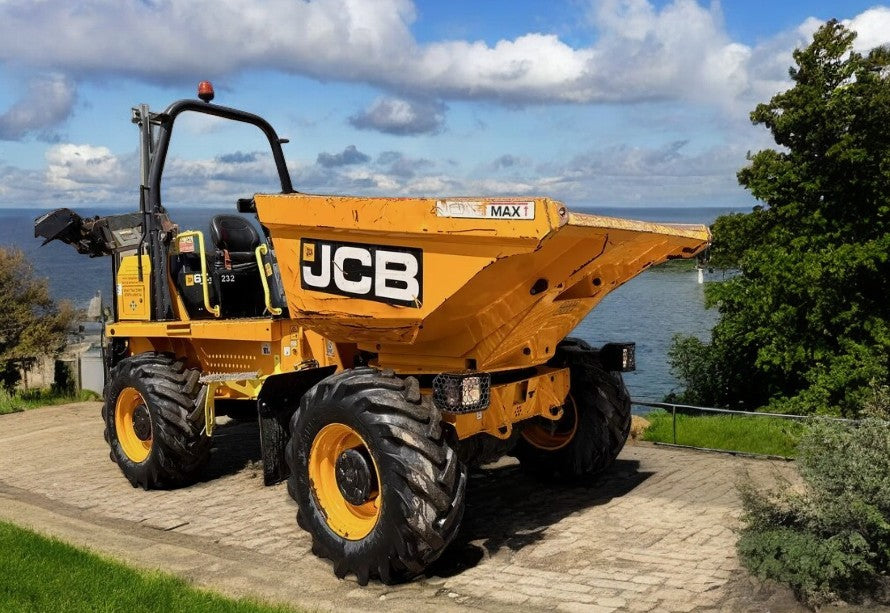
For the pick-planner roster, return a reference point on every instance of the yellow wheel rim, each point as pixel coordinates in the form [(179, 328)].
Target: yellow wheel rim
[(351, 521), (125, 413), (555, 434)]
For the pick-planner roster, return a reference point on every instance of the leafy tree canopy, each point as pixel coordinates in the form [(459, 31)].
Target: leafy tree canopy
[(805, 326), (31, 323)]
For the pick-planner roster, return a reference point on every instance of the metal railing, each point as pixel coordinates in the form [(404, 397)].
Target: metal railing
[(686, 409)]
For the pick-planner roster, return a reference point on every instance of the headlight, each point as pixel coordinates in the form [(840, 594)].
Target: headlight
[(462, 392)]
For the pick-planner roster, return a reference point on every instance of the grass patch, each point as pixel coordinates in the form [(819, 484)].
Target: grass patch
[(32, 399), (765, 435), (42, 574)]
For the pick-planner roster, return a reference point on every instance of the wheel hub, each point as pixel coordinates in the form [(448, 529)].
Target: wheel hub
[(355, 477), (551, 435), (142, 423)]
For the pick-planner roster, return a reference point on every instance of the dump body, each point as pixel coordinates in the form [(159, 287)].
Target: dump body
[(441, 284)]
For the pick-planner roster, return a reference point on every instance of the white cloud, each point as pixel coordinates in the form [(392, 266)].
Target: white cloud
[(663, 175), (350, 155), (872, 27), (176, 39), (47, 101), (76, 168), (401, 116), (678, 51), (620, 175)]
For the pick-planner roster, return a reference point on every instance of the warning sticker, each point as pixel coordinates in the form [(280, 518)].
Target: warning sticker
[(187, 244), (498, 209)]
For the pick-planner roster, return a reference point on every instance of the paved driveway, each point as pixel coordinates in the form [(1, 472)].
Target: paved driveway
[(655, 533)]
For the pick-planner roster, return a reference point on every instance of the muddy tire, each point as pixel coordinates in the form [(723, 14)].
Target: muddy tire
[(377, 481), (595, 422), (148, 400)]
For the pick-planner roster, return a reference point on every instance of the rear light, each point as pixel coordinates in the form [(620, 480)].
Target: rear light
[(619, 356), (462, 392)]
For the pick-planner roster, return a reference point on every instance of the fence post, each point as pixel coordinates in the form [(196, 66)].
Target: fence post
[(674, 414)]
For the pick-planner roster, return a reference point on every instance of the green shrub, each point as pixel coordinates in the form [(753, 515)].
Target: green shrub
[(830, 538), (35, 398), (63, 379)]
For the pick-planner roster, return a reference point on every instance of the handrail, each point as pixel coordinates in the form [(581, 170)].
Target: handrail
[(205, 281), (672, 406), (267, 295)]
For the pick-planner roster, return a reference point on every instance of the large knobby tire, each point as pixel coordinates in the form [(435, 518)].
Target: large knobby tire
[(406, 498), (149, 399), (595, 422)]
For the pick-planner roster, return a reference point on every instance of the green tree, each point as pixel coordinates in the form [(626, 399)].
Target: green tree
[(31, 323), (805, 325)]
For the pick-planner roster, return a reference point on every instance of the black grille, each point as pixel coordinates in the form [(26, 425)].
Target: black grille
[(448, 392)]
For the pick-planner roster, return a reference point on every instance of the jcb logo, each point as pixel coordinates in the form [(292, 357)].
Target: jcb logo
[(374, 272)]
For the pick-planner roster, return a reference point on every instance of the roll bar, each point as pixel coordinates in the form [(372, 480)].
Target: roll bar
[(155, 132), (165, 122)]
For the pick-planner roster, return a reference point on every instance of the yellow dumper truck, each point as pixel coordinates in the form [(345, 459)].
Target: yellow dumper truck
[(387, 344)]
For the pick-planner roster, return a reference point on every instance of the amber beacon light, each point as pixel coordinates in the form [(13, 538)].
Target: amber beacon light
[(205, 91)]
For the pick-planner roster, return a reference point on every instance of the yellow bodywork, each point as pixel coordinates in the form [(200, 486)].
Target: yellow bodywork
[(480, 305), (491, 292), (132, 288)]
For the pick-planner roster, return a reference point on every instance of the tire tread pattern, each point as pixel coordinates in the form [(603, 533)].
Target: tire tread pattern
[(603, 404), (423, 481), (179, 447)]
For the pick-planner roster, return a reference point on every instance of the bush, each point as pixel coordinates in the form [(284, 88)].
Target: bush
[(829, 539), (63, 379), (35, 398)]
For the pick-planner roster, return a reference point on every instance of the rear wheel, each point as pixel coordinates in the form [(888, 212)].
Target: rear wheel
[(151, 423), (594, 425), (378, 484)]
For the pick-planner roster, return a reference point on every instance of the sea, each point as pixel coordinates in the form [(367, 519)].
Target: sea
[(649, 310)]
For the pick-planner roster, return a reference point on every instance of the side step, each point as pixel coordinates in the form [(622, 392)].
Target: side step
[(221, 377)]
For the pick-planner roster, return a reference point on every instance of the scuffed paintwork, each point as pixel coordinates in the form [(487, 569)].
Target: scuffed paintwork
[(477, 275)]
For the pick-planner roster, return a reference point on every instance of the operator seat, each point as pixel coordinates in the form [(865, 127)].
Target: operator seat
[(235, 236), (234, 268)]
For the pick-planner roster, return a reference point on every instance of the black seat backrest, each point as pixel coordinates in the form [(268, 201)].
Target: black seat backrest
[(233, 233)]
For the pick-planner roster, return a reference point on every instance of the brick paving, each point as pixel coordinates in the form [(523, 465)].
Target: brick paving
[(654, 533)]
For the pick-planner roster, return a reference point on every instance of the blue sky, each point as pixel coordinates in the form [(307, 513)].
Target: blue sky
[(594, 102)]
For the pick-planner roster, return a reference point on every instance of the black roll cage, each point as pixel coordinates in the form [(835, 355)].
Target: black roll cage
[(154, 155), (167, 118)]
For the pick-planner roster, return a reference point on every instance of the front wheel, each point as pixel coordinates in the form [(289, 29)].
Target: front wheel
[(151, 424), (595, 422), (378, 484)]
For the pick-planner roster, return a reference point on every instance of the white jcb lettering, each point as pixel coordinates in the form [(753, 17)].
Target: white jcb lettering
[(371, 272), (323, 279), (394, 269), (363, 285)]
